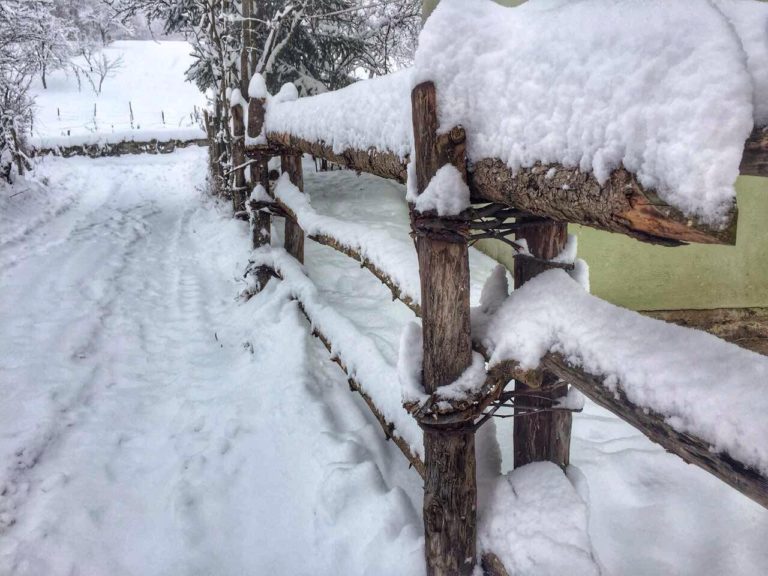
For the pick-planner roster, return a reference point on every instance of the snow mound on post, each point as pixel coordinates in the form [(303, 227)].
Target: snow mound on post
[(257, 87), (661, 88), (373, 113), (446, 193), (702, 385)]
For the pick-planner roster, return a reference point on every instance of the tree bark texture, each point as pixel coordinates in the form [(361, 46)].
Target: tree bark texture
[(569, 195), (450, 487), (372, 161), (543, 436), (240, 186), (290, 163)]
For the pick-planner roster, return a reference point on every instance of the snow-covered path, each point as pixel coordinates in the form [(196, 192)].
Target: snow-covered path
[(151, 424)]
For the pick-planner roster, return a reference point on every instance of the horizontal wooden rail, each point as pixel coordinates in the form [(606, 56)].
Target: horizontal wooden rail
[(386, 426), (620, 205), (379, 163), (691, 449), (754, 161), (355, 254)]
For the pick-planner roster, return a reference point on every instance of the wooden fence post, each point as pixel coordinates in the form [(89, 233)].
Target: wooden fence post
[(545, 436), (450, 486), (290, 162), (261, 222), (238, 158)]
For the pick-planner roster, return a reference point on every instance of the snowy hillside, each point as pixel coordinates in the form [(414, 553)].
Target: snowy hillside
[(148, 84)]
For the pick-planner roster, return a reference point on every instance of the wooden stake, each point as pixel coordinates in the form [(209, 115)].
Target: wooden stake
[(545, 436), (450, 486), (294, 235), (238, 159), (261, 223)]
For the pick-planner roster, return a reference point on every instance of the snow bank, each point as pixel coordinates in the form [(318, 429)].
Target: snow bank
[(536, 523), (376, 244), (703, 386), (371, 113), (662, 88)]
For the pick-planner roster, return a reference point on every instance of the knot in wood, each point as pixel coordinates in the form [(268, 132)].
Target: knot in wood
[(457, 135)]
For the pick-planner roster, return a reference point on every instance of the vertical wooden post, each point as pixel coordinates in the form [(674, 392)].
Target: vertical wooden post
[(545, 436), (261, 222), (238, 158), (290, 163), (450, 487)]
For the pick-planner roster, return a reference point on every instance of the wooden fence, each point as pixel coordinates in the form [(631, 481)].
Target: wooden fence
[(530, 203)]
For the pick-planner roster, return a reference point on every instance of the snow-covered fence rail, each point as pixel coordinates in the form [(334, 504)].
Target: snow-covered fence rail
[(453, 151)]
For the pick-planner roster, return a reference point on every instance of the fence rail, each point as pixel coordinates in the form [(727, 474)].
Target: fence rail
[(540, 200)]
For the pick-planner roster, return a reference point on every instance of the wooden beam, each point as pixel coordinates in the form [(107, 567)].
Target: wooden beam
[(691, 449), (290, 163), (569, 195), (387, 427), (353, 253), (544, 436), (450, 486), (754, 161), (371, 161), (238, 158)]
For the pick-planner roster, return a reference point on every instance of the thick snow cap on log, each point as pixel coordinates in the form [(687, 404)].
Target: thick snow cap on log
[(370, 113), (702, 385), (257, 87), (662, 88)]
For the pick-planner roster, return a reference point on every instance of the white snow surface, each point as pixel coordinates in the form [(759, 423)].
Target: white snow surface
[(150, 422), (447, 193), (373, 113), (150, 79), (257, 87), (701, 385), (662, 88)]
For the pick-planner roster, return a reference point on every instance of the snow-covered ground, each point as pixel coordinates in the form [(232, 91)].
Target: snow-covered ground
[(149, 81), (152, 423)]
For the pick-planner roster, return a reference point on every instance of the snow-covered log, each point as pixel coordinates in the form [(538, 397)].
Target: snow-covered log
[(697, 396), (371, 161), (620, 204)]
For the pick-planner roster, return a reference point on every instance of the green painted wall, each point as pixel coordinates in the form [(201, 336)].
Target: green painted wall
[(644, 277)]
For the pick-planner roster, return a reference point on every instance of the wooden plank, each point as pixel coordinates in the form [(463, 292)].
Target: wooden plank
[(754, 161), (240, 188), (691, 449), (371, 161), (290, 163), (450, 486), (387, 427), (569, 195), (544, 436)]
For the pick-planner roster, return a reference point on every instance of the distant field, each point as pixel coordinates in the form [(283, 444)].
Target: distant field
[(150, 81)]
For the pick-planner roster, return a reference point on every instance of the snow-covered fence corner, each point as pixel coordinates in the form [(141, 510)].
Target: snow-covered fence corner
[(482, 166)]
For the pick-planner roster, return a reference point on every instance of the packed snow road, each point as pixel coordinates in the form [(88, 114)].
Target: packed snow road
[(153, 424), (147, 426)]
